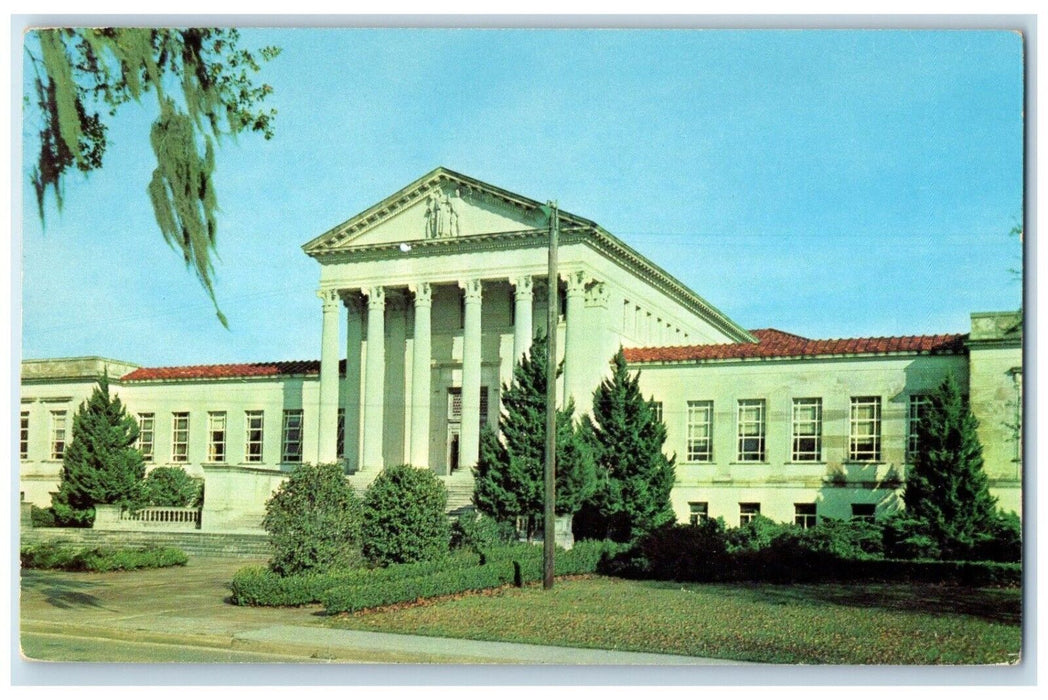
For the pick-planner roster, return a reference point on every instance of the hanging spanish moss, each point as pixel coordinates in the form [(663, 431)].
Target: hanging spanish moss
[(204, 89), (182, 193)]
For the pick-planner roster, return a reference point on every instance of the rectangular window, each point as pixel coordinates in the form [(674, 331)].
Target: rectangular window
[(292, 451), (656, 410), (919, 406), (864, 511), (340, 435), (254, 424), (23, 436), (58, 434), (180, 437), (864, 444), (145, 435), (807, 430), (698, 512), (748, 512), (700, 431), (455, 405), (804, 515), (751, 430), (216, 436)]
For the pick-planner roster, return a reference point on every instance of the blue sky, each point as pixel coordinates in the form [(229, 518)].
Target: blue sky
[(827, 183)]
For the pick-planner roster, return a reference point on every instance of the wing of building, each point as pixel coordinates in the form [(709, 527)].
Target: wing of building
[(441, 288)]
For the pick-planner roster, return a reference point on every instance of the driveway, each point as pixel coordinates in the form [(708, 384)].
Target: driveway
[(184, 614)]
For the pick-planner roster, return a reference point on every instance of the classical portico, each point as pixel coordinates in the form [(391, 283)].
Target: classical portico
[(444, 286)]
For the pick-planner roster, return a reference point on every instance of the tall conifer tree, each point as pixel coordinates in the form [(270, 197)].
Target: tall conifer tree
[(947, 489), (634, 475), (509, 476), (100, 464)]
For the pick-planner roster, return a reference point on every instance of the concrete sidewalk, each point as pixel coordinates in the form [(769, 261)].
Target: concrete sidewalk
[(168, 612)]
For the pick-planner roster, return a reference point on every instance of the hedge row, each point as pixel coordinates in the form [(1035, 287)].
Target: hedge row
[(966, 573), (261, 586), (583, 558), (776, 566), (50, 555)]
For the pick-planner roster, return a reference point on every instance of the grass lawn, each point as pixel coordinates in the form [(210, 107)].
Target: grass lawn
[(817, 624)]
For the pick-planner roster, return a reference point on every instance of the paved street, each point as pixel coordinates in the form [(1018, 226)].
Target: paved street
[(183, 614)]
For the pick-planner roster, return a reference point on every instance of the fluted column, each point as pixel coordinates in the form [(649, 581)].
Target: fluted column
[(374, 379), (327, 420), (394, 409), (602, 339), (471, 346), (420, 375), (574, 338), (523, 333), (351, 386)]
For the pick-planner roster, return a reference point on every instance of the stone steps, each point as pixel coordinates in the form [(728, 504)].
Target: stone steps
[(194, 544)]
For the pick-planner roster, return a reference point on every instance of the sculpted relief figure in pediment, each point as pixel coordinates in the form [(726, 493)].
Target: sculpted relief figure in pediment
[(441, 215)]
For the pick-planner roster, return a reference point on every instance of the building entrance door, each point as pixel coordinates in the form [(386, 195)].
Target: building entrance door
[(455, 422)]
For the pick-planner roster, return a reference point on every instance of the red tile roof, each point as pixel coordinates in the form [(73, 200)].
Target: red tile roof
[(234, 371), (774, 343), (771, 343)]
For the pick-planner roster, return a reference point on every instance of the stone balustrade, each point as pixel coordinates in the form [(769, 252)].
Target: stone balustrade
[(151, 518)]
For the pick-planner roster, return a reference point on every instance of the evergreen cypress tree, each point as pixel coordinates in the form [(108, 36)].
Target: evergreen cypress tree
[(509, 476), (635, 476), (947, 489), (100, 463)]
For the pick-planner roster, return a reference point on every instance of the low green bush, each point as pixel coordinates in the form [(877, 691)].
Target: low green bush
[(836, 551), (264, 587), (1004, 541), (476, 532), (676, 552), (52, 555), (583, 558), (906, 537), (42, 517), (755, 535), (372, 595), (965, 573)]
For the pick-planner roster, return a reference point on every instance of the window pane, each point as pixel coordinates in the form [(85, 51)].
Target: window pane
[(254, 434), (864, 442), (58, 434), (748, 511), (292, 451), (23, 436), (179, 437), (864, 511), (804, 514), (751, 430), (807, 430), (145, 435), (700, 431), (216, 437)]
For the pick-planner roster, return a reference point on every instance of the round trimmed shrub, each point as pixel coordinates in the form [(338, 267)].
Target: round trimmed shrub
[(313, 520), (171, 487), (404, 517)]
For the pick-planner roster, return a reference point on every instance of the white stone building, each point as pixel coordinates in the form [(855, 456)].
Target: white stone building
[(442, 286)]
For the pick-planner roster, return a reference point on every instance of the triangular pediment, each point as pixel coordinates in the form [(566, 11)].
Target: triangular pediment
[(440, 205)]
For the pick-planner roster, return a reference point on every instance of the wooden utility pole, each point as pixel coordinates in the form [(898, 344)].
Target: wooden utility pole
[(548, 534)]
